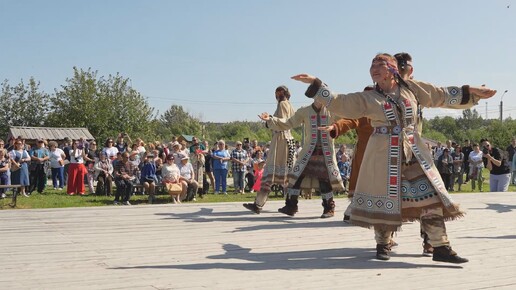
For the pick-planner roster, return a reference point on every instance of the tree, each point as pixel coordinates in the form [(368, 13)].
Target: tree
[(23, 105), (470, 119), (176, 121), (104, 105)]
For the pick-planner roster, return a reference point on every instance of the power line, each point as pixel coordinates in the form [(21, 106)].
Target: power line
[(211, 102)]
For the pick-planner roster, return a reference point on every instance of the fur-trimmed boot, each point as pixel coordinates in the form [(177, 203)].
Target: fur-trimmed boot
[(253, 207), (290, 207), (446, 254), (382, 252), (329, 208)]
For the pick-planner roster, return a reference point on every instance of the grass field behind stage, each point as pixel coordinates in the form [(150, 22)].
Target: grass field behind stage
[(59, 199)]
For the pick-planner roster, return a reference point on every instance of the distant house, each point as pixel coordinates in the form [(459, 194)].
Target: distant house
[(187, 138), (31, 134)]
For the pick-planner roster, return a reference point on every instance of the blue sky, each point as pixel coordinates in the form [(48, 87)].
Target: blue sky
[(222, 59)]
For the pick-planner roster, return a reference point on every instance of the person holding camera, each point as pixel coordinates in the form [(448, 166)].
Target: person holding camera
[(498, 165), (121, 145)]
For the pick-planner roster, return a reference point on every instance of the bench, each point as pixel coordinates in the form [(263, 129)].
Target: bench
[(138, 189), (14, 188)]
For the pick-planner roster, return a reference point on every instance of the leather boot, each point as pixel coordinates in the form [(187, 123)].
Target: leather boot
[(290, 207), (382, 252), (446, 254), (253, 207), (329, 208)]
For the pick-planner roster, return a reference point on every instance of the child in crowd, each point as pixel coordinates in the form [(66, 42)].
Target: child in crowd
[(258, 174), (345, 170)]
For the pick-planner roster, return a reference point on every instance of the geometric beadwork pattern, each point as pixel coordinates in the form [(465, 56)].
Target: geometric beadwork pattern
[(453, 96), (372, 203)]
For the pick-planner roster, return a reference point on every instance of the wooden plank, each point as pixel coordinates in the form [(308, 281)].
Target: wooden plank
[(222, 246)]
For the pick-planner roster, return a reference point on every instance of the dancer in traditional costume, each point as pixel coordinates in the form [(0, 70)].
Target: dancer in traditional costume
[(280, 158), (364, 130), (316, 166), (396, 154)]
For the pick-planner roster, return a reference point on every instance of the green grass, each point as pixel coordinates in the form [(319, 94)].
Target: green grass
[(59, 199)]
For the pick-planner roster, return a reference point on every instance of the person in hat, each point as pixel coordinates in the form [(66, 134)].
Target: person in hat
[(280, 158), (188, 175), (176, 152), (148, 175), (316, 166)]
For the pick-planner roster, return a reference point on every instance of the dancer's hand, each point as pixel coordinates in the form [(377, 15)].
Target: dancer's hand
[(326, 128), (305, 78), (265, 116), (482, 92)]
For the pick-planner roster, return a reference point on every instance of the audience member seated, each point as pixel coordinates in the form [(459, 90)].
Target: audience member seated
[(171, 176), (159, 167), (188, 176), (148, 176), (103, 175), (124, 179)]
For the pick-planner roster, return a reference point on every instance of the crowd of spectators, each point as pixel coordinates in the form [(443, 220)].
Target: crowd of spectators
[(80, 165), (455, 162)]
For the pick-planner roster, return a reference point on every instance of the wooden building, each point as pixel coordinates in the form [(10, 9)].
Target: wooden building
[(32, 134)]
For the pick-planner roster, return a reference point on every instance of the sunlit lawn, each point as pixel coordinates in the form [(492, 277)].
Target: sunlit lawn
[(57, 199)]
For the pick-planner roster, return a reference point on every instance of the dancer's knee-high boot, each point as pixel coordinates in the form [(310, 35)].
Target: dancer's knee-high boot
[(328, 205), (290, 207)]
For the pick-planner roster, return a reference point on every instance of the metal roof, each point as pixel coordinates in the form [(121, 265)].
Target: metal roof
[(49, 133), (188, 138)]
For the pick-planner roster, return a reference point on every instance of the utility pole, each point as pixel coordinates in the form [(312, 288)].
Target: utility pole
[(501, 106), (486, 110)]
